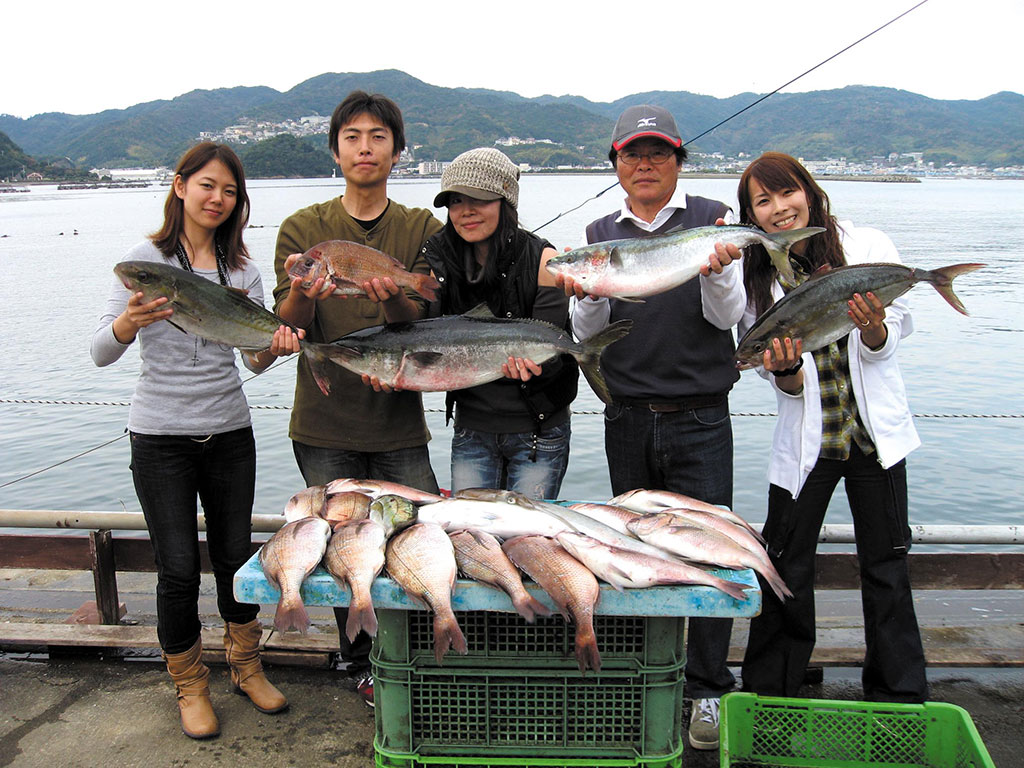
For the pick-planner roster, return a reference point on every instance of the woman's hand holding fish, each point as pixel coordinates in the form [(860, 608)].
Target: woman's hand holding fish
[(724, 255), (285, 342), (782, 355), (520, 368), (869, 315), (139, 314)]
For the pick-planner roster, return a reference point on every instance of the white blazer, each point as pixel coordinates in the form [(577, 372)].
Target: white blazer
[(875, 378)]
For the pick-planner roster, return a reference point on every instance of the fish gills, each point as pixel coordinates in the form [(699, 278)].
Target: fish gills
[(422, 560), (287, 559), (480, 557), (568, 582), (354, 557)]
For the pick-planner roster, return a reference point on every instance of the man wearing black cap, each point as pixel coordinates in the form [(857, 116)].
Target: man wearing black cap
[(668, 426)]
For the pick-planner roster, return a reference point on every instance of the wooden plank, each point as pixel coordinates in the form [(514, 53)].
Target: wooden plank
[(825, 656), (942, 570), (101, 550)]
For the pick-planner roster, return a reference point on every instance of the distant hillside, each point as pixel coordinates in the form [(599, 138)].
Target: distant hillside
[(856, 122)]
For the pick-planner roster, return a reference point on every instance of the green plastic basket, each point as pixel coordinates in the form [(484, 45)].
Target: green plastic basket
[(800, 733), (638, 643), (386, 760), (483, 715)]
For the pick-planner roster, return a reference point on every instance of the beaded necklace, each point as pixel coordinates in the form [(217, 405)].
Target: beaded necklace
[(221, 259)]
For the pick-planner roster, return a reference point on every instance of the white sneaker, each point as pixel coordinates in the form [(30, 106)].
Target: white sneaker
[(704, 724)]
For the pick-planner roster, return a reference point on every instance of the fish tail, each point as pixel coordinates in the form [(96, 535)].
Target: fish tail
[(530, 607), (319, 355), (590, 358), (731, 588), (291, 614), (774, 580), (779, 243), (448, 634), (944, 283), (361, 616), (426, 286), (587, 655)]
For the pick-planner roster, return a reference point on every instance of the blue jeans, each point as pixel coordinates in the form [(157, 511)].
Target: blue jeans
[(319, 466), (690, 452), (782, 636), (169, 472), (487, 460)]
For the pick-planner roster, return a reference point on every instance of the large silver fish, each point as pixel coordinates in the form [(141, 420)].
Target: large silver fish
[(354, 557), (217, 313), (622, 568), (568, 582), (458, 351), (816, 310), (481, 558), (348, 265), (288, 557), (496, 517), (704, 545), (648, 501), (377, 488), (422, 560), (637, 267)]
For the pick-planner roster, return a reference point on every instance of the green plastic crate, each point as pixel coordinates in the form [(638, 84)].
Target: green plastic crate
[(638, 643), (384, 760), (800, 733), (548, 717)]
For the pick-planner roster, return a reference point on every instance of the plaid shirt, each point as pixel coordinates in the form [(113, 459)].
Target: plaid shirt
[(841, 425)]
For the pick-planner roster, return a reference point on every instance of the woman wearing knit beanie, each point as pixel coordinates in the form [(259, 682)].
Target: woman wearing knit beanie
[(512, 433)]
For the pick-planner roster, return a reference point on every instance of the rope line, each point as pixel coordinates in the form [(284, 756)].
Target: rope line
[(749, 106)]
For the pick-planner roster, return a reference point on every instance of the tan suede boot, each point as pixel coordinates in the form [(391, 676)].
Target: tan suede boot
[(191, 682), (242, 648)]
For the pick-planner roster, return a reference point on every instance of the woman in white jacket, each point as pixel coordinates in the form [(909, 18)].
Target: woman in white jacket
[(843, 414)]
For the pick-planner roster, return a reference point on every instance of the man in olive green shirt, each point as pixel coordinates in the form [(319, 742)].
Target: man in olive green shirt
[(357, 431)]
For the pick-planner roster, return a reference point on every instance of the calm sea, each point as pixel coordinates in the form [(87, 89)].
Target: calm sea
[(963, 373)]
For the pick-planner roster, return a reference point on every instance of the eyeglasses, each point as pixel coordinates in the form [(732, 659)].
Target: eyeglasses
[(658, 155)]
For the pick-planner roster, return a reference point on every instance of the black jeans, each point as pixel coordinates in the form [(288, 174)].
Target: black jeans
[(169, 472), (319, 466), (782, 637), (690, 452)]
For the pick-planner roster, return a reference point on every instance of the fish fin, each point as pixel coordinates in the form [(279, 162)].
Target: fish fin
[(361, 616), (448, 634), (587, 655), (781, 242), (318, 355), (731, 588), (615, 258), (291, 614), (480, 312), (424, 359), (945, 284), (590, 358), (630, 300), (426, 286), (171, 322)]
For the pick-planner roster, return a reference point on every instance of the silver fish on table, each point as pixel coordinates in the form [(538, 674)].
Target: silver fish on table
[(498, 518), (816, 310), (737, 533), (354, 557), (481, 558), (288, 557), (568, 582), (217, 313), (648, 501), (377, 488), (624, 569), (611, 515), (704, 545), (441, 354), (422, 560), (637, 267), (349, 265)]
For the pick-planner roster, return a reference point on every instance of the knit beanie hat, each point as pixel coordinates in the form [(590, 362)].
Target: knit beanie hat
[(485, 174)]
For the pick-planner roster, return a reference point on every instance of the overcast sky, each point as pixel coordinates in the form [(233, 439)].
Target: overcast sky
[(82, 58)]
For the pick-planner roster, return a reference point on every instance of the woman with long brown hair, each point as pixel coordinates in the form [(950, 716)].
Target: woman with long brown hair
[(191, 433), (843, 414)]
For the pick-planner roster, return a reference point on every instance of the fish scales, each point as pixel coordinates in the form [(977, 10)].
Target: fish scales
[(349, 265), (287, 558), (480, 557), (354, 557)]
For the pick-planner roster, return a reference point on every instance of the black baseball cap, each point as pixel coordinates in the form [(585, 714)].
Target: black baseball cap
[(645, 120)]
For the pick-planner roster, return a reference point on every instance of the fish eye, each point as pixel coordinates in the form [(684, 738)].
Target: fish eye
[(143, 277)]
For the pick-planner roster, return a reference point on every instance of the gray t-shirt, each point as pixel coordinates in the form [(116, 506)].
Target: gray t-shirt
[(187, 385)]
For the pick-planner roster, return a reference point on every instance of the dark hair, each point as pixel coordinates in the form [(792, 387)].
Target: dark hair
[(229, 234), (680, 153), (776, 171), (360, 102), (501, 246)]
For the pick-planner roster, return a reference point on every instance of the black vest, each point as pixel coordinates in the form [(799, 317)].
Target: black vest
[(672, 352)]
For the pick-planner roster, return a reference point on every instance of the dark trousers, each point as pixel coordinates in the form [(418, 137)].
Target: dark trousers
[(782, 637), (169, 472), (319, 466), (688, 452)]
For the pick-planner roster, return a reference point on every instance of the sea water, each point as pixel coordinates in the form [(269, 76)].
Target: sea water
[(963, 374)]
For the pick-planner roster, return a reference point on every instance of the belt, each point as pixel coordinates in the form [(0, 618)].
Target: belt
[(684, 404)]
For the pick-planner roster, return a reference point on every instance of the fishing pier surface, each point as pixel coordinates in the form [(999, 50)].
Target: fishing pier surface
[(251, 586)]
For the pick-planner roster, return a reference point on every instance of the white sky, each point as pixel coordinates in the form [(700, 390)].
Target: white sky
[(81, 58)]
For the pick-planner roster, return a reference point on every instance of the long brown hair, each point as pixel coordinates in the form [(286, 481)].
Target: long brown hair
[(229, 234), (775, 171)]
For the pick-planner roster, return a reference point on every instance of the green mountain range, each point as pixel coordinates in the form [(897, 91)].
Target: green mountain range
[(856, 122)]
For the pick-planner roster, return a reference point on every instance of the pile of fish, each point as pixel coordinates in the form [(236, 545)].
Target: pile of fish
[(640, 539)]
